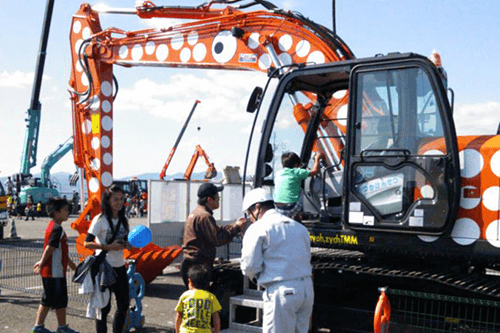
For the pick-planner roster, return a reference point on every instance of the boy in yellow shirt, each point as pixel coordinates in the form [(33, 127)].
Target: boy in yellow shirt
[(197, 307)]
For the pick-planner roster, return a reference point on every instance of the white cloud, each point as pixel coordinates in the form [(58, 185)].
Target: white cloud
[(247, 129), (285, 123), (18, 79), (223, 96), (477, 119)]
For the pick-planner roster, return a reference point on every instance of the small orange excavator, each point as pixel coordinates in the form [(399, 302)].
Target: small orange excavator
[(211, 171)]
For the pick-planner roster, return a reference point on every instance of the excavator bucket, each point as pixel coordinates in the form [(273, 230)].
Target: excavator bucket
[(211, 173), (82, 251), (151, 260)]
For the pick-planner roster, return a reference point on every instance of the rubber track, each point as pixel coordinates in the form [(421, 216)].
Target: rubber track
[(356, 262)]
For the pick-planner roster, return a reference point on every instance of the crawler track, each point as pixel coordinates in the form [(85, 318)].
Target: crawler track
[(449, 277)]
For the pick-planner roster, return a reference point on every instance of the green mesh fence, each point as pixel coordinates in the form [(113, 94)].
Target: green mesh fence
[(416, 312)]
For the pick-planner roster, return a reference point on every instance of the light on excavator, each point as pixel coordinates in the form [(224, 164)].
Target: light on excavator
[(436, 58)]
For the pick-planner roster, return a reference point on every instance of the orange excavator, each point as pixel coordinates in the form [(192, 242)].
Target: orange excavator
[(418, 207), (211, 171), (270, 40)]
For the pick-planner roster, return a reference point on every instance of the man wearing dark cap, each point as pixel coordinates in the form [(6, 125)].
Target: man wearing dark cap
[(202, 235)]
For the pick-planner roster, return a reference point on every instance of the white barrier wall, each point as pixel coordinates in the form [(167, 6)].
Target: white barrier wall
[(170, 202)]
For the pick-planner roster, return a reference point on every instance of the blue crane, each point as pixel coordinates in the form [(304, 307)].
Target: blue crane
[(27, 187), (28, 159)]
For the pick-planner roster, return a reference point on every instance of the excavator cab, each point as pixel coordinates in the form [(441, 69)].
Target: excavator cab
[(410, 182), (397, 168)]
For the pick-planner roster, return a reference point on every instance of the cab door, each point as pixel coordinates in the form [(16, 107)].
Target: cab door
[(402, 166)]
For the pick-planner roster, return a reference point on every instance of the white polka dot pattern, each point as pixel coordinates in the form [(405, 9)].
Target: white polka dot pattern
[(493, 233), (93, 185), (491, 198), (465, 232), (495, 163), (471, 163)]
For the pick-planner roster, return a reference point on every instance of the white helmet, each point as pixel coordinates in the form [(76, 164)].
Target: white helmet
[(256, 195)]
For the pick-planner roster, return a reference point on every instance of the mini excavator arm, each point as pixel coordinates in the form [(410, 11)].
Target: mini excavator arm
[(211, 171), (213, 39)]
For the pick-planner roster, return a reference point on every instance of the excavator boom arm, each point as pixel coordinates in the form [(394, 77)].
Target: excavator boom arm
[(231, 39), (150, 10)]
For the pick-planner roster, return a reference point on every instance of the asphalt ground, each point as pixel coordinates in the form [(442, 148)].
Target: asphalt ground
[(18, 309)]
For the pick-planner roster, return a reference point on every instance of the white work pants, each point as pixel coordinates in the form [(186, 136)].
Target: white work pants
[(288, 306)]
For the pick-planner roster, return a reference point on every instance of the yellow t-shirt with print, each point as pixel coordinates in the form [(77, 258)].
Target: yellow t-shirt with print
[(197, 307)]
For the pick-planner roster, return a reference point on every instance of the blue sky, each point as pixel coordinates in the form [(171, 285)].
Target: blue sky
[(153, 103)]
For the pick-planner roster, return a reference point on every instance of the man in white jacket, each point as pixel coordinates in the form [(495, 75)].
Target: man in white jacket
[(276, 252)]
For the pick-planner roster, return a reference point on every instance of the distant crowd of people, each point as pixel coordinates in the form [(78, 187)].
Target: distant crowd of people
[(31, 208), (136, 205)]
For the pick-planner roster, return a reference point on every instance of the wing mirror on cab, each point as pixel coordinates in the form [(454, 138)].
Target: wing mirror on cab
[(255, 99)]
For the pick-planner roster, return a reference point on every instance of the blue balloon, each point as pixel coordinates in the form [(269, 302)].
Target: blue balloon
[(139, 236)]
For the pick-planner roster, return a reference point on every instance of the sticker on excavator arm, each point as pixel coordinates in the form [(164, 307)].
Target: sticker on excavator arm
[(249, 58), (95, 123)]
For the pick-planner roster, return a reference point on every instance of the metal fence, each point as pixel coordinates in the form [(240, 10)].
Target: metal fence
[(18, 258), (417, 312), (16, 272)]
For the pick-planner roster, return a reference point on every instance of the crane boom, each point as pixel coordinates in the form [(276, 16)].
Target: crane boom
[(28, 159), (53, 158), (179, 137)]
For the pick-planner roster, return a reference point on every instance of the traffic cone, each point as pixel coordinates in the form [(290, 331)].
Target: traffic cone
[(13, 231)]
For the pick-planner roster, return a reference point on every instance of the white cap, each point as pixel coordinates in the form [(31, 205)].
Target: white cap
[(256, 195)]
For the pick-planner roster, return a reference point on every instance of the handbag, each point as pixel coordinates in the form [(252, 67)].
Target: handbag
[(91, 263)]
